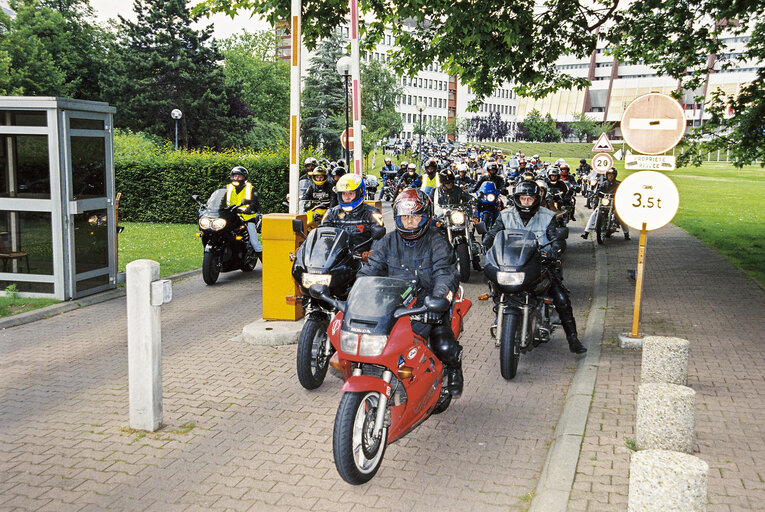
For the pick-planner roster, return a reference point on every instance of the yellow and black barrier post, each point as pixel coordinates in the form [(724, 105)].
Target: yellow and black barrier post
[(280, 243)]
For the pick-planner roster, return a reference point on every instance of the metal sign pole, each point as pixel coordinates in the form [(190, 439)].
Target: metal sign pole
[(295, 28), (639, 283)]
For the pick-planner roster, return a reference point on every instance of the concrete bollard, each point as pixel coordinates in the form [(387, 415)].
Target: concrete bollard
[(666, 417), (665, 359), (145, 294), (667, 481)]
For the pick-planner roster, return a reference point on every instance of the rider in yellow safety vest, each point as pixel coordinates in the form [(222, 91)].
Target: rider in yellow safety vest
[(241, 192)]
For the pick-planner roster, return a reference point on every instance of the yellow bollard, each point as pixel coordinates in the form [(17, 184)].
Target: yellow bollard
[(279, 246), (377, 203)]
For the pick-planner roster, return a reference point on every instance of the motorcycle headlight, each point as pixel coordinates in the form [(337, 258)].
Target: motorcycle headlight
[(312, 279), (205, 222), (605, 201), (510, 278), (372, 344), (491, 198), (458, 217), (349, 342), (218, 224), (93, 220)]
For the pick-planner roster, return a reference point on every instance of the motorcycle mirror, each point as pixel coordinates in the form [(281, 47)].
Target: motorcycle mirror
[(436, 304), (481, 228), (195, 197), (297, 226), (378, 232)]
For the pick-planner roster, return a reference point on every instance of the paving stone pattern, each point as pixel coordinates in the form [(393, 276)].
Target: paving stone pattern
[(240, 433), (690, 292)]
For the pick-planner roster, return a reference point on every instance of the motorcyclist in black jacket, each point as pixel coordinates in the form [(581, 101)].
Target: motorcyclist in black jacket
[(320, 190), (424, 257), (409, 177), (462, 179), (528, 215), (388, 172), (492, 174), (352, 214)]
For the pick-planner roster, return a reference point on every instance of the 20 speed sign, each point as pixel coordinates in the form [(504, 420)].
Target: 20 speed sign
[(646, 197), (602, 162)]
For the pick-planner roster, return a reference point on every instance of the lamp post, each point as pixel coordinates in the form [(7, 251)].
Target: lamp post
[(420, 106), (344, 70), (176, 114)]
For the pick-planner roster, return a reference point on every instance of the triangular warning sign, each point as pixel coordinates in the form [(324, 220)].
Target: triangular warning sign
[(603, 144)]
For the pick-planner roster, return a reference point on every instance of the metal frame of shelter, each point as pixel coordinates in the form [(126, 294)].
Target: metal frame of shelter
[(64, 220)]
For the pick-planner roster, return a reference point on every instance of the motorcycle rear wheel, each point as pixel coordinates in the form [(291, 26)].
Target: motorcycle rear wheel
[(463, 262), (312, 363), (509, 345), (357, 454), (211, 267)]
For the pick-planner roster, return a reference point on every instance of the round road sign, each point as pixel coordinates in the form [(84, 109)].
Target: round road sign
[(653, 123), (646, 197), (344, 139), (602, 162)]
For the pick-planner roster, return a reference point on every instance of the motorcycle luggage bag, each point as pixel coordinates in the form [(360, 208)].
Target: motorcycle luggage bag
[(514, 261)]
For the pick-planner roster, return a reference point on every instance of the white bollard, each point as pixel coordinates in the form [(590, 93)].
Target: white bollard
[(665, 359), (667, 481), (145, 294), (666, 417)]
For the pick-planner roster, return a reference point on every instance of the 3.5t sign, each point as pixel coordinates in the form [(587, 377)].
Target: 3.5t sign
[(646, 197)]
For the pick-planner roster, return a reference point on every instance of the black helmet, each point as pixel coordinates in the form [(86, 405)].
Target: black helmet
[(582, 161), (239, 170), (553, 172), (413, 201), (613, 171), (447, 177), (341, 163), (492, 166), (527, 188), (431, 165)]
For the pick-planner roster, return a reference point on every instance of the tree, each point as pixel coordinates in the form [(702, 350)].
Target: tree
[(565, 129), (54, 49), (436, 128), (583, 127), (160, 63), (323, 111), (539, 128), (486, 44), (380, 90)]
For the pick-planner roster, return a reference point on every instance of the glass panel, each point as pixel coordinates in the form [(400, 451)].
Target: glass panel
[(78, 123), (93, 282), (24, 166), (91, 241), (26, 242), (23, 286), (88, 167), (23, 118)]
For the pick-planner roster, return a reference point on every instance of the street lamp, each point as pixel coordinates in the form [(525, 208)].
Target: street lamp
[(344, 70), (176, 114), (420, 106)]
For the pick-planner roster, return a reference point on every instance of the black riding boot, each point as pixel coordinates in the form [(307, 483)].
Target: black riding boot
[(574, 345), (563, 307), (449, 351)]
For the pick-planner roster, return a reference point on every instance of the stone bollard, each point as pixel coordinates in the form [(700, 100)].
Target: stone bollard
[(666, 417), (145, 294), (667, 481), (665, 359)]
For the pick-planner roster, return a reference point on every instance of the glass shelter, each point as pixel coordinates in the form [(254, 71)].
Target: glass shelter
[(57, 217)]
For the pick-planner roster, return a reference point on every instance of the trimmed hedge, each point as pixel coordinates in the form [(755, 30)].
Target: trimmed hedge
[(157, 182)]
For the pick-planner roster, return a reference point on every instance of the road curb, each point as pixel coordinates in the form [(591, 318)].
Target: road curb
[(558, 473), (64, 307)]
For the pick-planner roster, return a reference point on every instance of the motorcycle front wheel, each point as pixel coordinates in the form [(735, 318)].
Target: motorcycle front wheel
[(600, 227), (509, 345), (211, 267), (358, 455), (312, 362), (463, 262)]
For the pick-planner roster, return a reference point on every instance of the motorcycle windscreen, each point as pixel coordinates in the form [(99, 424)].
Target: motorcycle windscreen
[(514, 250), (372, 302), (217, 200), (488, 187), (323, 248)]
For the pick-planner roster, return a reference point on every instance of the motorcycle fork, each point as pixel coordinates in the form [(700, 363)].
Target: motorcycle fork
[(500, 315), (382, 407), (526, 309)]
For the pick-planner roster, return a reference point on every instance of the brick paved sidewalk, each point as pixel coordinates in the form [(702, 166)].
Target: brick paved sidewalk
[(691, 292)]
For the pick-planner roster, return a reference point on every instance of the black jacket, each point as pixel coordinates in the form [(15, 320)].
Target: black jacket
[(357, 223), (323, 194), (453, 197), (428, 262), (608, 188), (498, 180)]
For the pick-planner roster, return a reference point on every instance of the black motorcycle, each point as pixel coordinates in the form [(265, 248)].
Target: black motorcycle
[(519, 278), (457, 225), (327, 258), (225, 238), (605, 222)]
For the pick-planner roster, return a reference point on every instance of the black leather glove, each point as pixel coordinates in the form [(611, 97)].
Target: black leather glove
[(432, 317)]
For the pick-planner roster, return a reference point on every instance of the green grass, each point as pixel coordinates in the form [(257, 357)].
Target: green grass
[(174, 246), (12, 304)]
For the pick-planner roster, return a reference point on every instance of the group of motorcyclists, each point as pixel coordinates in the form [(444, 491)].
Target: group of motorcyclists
[(538, 195)]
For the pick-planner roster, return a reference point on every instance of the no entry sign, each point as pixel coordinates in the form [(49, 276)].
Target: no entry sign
[(653, 123)]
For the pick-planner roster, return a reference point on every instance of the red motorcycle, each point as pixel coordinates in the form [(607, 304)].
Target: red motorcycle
[(394, 382)]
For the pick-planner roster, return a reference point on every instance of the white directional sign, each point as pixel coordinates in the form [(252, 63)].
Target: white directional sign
[(602, 162), (653, 123), (646, 197), (603, 144), (650, 162)]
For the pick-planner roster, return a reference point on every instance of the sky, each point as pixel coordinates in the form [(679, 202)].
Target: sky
[(224, 26)]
